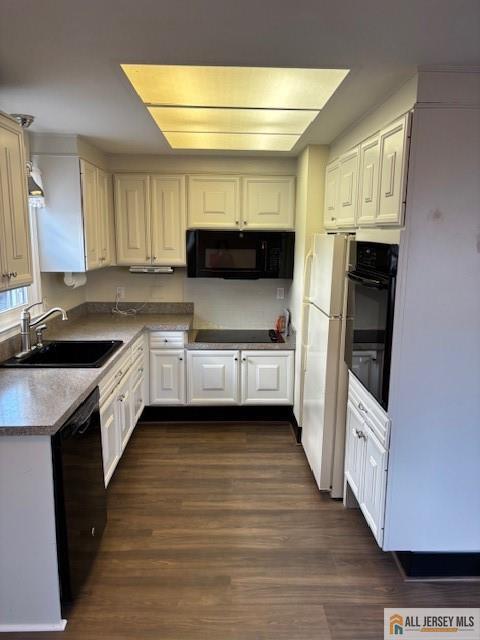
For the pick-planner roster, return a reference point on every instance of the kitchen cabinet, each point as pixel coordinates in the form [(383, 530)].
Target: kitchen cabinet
[(331, 208), (268, 202), (168, 219), (366, 455), (393, 155), (110, 437), (15, 254), (213, 377), (372, 501), (368, 182), (347, 184), (75, 228), (122, 399), (132, 219), (124, 411), (105, 218), (150, 219), (167, 377), (214, 202), (267, 378), (366, 186)]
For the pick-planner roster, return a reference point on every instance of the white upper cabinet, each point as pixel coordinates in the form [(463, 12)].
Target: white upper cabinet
[(132, 219), (150, 219), (268, 202), (267, 377), (348, 183), (75, 228), (104, 218), (91, 219), (332, 176), (15, 258), (213, 202), (393, 154), (368, 183), (168, 219)]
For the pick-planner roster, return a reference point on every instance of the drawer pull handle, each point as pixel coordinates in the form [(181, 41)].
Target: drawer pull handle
[(362, 407), (360, 434), (121, 398)]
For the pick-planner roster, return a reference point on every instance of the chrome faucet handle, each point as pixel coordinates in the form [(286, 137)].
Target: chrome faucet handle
[(27, 309), (39, 333)]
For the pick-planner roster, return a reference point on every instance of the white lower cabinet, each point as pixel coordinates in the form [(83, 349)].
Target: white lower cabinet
[(374, 484), (267, 378), (122, 399), (167, 377), (110, 437), (212, 377), (366, 457)]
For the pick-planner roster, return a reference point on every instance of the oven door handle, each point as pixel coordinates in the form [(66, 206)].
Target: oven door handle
[(367, 282)]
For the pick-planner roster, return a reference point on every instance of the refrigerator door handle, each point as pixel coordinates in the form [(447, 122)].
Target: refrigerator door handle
[(308, 258)]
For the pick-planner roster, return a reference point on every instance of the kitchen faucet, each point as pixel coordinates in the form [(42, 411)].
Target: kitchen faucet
[(26, 323)]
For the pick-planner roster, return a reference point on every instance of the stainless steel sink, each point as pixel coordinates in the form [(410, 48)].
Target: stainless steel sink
[(67, 354)]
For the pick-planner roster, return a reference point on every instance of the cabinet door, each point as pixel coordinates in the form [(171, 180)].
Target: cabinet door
[(330, 214), (213, 202), (355, 450), (167, 377), (110, 437), (168, 223), (92, 224), (393, 144), (267, 378), (212, 377), (103, 217), (124, 411), (268, 202), (138, 397), (372, 500), (348, 186), (132, 219), (368, 182), (14, 222)]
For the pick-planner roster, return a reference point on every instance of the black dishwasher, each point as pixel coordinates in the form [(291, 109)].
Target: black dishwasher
[(80, 498)]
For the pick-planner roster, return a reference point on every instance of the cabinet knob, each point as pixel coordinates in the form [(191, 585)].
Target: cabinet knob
[(121, 398), (360, 434), (180, 358), (237, 221), (154, 258), (147, 257), (244, 359), (236, 359), (245, 222), (332, 218)]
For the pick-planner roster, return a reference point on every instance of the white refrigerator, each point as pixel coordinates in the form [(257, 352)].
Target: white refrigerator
[(324, 371)]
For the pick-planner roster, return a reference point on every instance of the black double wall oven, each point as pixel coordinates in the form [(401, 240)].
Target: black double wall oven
[(371, 300), (245, 255)]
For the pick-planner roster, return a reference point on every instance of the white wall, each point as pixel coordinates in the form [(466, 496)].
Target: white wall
[(433, 497), (395, 105), (218, 303)]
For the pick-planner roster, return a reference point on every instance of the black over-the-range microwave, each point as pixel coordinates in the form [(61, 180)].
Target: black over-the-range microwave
[(242, 255)]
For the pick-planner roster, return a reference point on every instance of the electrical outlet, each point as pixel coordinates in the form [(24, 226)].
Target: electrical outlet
[(280, 293), (120, 293)]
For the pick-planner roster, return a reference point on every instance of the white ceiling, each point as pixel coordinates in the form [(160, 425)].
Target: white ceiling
[(60, 59)]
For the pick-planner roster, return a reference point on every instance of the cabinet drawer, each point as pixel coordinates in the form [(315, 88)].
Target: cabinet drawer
[(114, 376), (167, 339), (372, 413), (138, 347)]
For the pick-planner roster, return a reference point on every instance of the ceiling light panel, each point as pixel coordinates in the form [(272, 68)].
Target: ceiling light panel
[(240, 87), (202, 120), (230, 141)]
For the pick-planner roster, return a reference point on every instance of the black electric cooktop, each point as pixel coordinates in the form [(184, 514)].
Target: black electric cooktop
[(238, 335)]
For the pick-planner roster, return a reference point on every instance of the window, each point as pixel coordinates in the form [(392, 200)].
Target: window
[(11, 302)]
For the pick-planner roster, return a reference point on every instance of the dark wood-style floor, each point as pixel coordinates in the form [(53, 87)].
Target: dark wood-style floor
[(218, 532)]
